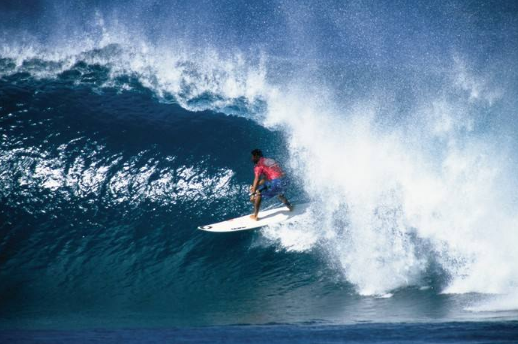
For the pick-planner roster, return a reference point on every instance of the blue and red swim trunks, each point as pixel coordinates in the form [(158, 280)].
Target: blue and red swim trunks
[(274, 187)]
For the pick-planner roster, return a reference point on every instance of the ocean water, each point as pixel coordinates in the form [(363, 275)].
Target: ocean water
[(125, 125)]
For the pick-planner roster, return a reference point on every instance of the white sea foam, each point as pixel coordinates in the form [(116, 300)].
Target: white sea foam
[(497, 303), (398, 199), (295, 236)]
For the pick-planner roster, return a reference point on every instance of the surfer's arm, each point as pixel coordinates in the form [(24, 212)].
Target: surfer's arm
[(254, 185)]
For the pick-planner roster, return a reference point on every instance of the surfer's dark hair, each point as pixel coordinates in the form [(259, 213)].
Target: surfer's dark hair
[(257, 152)]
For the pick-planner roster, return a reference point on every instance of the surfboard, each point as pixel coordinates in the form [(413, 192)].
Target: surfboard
[(266, 217)]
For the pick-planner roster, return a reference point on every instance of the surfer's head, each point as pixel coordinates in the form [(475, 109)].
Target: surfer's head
[(256, 155)]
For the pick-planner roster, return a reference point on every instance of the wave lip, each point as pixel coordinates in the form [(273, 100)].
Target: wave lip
[(197, 82)]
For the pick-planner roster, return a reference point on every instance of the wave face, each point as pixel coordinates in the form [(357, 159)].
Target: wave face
[(125, 127)]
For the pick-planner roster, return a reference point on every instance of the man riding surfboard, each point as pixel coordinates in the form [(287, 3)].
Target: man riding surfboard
[(269, 181)]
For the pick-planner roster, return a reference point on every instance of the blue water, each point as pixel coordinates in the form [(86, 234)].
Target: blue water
[(280, 333), (124, 126)]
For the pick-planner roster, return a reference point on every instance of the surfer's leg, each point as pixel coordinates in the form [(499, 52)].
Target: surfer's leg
[(259, 189), (281, 186), (257, 205), (284, 200)]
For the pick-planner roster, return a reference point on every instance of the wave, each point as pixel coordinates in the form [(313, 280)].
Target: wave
[(208, 82), (411, 171)]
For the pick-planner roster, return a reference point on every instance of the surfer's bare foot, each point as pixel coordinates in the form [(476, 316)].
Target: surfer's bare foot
[(290, 207), (254, 217)]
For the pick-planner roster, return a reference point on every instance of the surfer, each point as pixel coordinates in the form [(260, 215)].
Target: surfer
[(269, 181)]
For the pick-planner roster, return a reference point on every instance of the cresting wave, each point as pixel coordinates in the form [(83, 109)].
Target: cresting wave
[(400, 194), (196, 80), (400, 199)]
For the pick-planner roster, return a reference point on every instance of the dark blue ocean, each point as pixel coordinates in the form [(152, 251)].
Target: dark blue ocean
[(124, 125)]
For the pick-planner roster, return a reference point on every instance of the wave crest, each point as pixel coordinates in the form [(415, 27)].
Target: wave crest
[(196, 81)]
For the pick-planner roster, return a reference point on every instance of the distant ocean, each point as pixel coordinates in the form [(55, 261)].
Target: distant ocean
[(125, 125)]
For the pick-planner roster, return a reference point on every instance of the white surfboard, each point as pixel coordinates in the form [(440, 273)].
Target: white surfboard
[(266, 217)]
